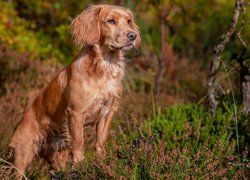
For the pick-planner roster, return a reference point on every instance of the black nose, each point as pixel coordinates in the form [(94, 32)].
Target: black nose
[(131, 36)]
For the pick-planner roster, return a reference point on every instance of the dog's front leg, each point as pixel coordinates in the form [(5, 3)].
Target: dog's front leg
[(76, 122), (102, 130)]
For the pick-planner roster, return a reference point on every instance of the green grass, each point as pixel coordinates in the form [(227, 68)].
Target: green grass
[(178, 143)]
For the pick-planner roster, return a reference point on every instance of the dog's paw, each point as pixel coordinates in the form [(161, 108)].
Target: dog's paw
[(100, 153), (77, 157)]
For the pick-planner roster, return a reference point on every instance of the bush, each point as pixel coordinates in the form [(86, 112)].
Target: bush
[(181, 142), (16, 34)]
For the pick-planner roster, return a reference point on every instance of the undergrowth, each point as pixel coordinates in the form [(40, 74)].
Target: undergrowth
[(181, 142)]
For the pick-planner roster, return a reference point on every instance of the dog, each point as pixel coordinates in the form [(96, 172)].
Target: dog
[(86, 92)]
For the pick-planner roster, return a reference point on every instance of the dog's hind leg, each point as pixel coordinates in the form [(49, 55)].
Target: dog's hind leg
[(24, 143), (23, 155)]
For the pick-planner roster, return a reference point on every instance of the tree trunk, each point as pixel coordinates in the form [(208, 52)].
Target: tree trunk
[(245, 88), (216, 61), (161, 61)]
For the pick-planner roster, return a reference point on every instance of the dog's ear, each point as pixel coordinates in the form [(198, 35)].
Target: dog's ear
[(136, 29), (85, 28)]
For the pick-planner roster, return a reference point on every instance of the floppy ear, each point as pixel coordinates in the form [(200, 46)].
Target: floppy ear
[(85, 28)]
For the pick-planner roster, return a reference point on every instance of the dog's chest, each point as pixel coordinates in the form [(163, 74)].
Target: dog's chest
[(96, 92), (98, 110), (103, 101), (109, 88)]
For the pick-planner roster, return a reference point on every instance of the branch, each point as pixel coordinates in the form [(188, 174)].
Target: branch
[(246, 4), (161, 62), (243, 9), (245, 58), (218, 49), (8, 169), (164, 12)]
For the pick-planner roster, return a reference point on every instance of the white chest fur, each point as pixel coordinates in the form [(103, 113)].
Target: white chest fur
[(98, 81)]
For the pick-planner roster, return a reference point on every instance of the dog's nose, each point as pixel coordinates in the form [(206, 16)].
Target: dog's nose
[(131, 36)]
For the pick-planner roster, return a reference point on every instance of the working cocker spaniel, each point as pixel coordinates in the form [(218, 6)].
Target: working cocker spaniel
[(84, 93)]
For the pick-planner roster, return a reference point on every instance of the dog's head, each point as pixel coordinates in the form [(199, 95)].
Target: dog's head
[(109, 26)]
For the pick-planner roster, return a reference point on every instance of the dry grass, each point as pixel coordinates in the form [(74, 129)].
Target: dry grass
[(140, 146)]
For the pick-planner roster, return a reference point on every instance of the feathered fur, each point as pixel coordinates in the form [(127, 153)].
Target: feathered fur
[(86, 92)]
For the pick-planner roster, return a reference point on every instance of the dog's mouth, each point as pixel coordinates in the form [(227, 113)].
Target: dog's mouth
[(123, 47)]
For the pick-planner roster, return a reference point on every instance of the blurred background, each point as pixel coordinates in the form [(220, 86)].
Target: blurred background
[(35, 44)]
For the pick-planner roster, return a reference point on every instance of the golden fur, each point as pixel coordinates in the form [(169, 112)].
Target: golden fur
[(84, 93)]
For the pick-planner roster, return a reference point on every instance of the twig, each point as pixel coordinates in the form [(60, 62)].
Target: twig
[(245, 58), (13, 167), (158, 77), (246, 4), (244, 44), (161, 61), (164, 12)]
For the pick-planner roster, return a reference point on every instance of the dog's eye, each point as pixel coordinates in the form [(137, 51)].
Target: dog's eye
[(111, 21), (129, 21)]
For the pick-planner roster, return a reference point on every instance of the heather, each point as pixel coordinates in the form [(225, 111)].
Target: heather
[(163, 128)]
